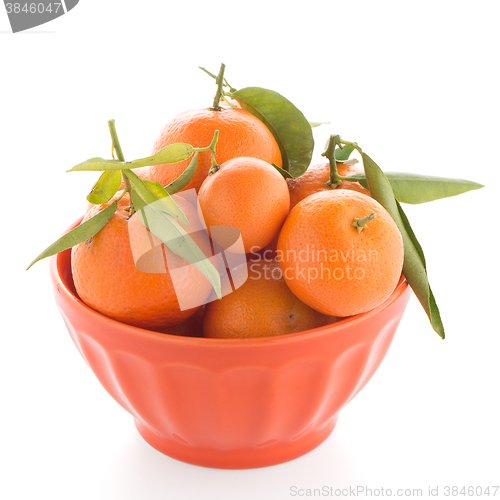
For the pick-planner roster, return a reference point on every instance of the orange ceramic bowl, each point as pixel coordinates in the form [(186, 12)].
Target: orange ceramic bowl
[(230, 403)]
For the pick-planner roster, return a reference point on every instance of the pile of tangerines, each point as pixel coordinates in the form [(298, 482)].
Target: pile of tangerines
[(315, 251)]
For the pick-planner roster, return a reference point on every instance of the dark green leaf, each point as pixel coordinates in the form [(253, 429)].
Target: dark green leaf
[(80, 233), (289, 126), (105, 188), (411, 234), (284, 173), (434, 315), (151, 192), (174, 236), (414, 267), (169, 154), (183, 180), (414, 188)]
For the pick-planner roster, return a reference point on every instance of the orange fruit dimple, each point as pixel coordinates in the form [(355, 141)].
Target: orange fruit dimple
[(248, 194), (240, 134), (107, 277), (314, 178), (331, 266), (263, 306)]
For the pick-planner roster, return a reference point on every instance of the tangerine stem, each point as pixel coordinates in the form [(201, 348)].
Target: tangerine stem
[(352, 144), (220, 82), (226, 83), (227, 102), (115, 141), (335, 177), (362, 222), (119, 153), (212, 146), (333, 142), (208, 72)]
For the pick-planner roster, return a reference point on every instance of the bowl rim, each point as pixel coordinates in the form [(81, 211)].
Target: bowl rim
[(332, 328)]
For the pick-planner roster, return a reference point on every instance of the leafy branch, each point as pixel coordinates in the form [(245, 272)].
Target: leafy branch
[(290, 128), (153, 202)]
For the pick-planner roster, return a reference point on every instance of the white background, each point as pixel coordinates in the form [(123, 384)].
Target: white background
[(416, 84)]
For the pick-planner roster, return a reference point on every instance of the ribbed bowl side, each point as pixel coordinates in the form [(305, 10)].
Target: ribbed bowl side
[(200, 399)]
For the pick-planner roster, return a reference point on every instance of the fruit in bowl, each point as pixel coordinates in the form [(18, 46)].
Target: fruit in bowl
[(109, 277), (218, 364)]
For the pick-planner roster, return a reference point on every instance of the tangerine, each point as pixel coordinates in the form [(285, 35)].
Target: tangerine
[(249, 195), (122, 271), (263, 306), (315, 178), (240, 134), (336, 268)]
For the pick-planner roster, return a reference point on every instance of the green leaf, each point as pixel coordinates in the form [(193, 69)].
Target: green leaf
[(160, 222), (169, 154), (175, 237), (434, 315), (105, 188), (151, 192), (414, 267), (344, 153), (284, 173), (136, 199), (414, 188), (96, 164), (80, 233), (341, 155), (156, 188), (289, 126), (183, 180)]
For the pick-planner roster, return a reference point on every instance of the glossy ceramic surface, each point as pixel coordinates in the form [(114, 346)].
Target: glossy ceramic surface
[(230, 403)]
